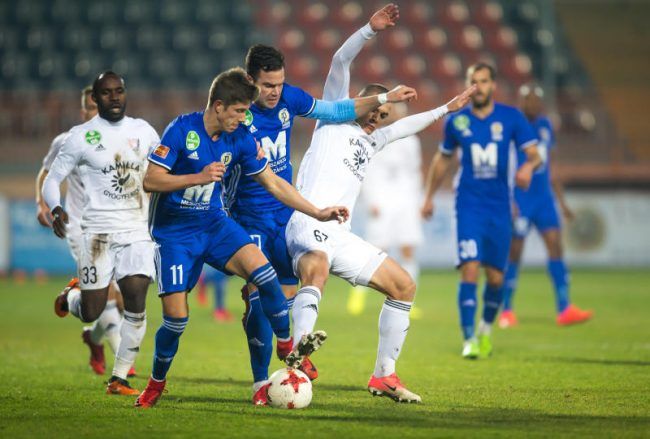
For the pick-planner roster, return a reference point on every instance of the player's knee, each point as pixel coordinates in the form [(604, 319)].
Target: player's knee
[(469, 272), (90, 311), (403, 289), (495, 279)]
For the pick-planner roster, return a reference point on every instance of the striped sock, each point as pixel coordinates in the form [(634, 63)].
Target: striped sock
[(167, 339), (305, 312), (272, 299), (393, 326)]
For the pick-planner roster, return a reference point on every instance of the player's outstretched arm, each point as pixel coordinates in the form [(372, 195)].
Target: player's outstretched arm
[(289, 196), (525, 172), (436, 174), (159, 178), (558, 188), (42, 211)]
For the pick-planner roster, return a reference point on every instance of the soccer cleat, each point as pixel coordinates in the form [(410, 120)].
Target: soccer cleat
[(131, 373), (308, 368), (97, 361), (471, 349), (150, 394), (283, 348), (484, 346), (507, 319), (261, 397), (572, 315), (61, 301), (222, 316), (308, 344), (118, 386), (392, 387)]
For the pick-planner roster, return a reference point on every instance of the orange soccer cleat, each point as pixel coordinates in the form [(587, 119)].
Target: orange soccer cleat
[(97, 361), (392, 387), (507, 319), (151, 394), (61, 301), (572, 315), (308, 368), (118, 386)]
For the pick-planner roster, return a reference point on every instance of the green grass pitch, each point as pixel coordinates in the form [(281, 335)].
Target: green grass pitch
[(544, 381)]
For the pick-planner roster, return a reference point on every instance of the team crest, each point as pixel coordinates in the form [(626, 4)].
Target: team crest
[(192, 140), (497, 131), (134, 143), (249, 118), (226, 158), (284, 117), (93, 137), (461, 122)]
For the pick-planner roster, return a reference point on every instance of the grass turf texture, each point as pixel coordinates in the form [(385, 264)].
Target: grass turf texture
[(541, 381)]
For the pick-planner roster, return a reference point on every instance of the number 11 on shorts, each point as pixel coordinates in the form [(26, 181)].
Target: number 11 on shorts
[(177, 274)]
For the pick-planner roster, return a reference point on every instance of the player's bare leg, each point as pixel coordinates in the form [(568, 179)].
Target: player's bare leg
[(398, 286)]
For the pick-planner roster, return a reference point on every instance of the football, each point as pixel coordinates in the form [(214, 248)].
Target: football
[(289, 389)]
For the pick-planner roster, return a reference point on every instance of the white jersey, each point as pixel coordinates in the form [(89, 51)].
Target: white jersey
[(111, 160), (74, 196)]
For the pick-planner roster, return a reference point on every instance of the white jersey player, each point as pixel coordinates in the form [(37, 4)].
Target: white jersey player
[(332, 171), (109, 152), (108, 323)]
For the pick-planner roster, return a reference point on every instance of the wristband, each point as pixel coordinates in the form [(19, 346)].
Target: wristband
[(382, 98)]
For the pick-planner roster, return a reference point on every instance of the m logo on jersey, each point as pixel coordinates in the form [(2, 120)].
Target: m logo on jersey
[(198, 197), (275, 150), (284, 117), (248, 120), (192, 140), (484, 160), (93, 137), (226, 158)]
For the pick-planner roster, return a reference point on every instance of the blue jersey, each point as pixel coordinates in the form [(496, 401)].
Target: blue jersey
[(272, 129), (541, 182), (186, 148), (485, 145)]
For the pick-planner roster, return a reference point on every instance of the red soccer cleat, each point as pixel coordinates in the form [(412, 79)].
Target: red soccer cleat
[(261, 397), (284, 348), (392, 387), (131, 373), (308, 368), (507, 319), (61, 301), (222, 316), (572, 315), (150, 394), (97, 361)]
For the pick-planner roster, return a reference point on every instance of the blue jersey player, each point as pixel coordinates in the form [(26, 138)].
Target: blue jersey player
[(537, 207), (484, 134), (270, 120), (188, 222)]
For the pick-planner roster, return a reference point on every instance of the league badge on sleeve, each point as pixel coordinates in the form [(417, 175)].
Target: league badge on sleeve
[(161, 151)]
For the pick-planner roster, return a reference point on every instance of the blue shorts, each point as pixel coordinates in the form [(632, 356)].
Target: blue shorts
[(267, 230), (540, 212), (484, 236), (180, 258)]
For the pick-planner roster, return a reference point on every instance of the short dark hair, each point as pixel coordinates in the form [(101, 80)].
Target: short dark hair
[(373, 89), (262, 57), (85, 92), (101, 77), (232, 87), (480, 66)]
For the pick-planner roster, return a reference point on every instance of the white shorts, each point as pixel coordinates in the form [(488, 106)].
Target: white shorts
[(108, 256), (395, 226), (350, 257), (75, 241)]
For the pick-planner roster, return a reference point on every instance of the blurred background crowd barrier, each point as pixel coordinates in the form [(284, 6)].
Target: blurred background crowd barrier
[(590, 57)]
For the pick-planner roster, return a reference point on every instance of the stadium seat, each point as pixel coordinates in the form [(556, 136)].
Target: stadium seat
[(326, 40), (114, 38)]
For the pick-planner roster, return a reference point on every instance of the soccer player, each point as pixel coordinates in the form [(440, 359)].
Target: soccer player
[(332, 171), (483, 133), (270, 120), (109, 321), (537, 207), (188, 220), (392, 194), (109, 153)]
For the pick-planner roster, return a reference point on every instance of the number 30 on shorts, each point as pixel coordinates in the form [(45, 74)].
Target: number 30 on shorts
[(468, 248), (89, 275)]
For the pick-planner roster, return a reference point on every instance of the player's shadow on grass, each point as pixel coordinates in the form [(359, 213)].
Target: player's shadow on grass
[(601, 361), (221, 381)]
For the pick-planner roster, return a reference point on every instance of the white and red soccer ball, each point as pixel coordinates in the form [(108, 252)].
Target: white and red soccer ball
[(289, 389)]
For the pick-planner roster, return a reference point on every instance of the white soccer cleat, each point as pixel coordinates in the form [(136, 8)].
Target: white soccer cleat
[(308, 344)]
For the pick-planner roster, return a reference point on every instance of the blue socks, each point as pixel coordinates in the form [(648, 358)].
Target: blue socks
[(510, 284), (272, 299), (167, 345), (491, 301), (220, 292), (260, 338), (467, 308), (560, 278)]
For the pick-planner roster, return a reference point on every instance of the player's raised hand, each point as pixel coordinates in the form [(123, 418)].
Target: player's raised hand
[(402, 93), (461, 100), (212, 172), (60, 220), (338, 213), (427, 209), (43, 215), (384, 18)]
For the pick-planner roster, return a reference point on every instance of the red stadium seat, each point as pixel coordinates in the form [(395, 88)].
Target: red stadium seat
[(399, 39), (291, 39), (418, 13), (314, 14), (409, 68), (433, 40)]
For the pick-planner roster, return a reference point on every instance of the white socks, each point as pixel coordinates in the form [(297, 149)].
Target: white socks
[(108, 325), (484, 328), (305, 312), (132, 332), (393, 327), (74, 302)]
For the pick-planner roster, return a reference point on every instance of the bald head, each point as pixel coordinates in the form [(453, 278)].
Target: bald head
[(109, 92)]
